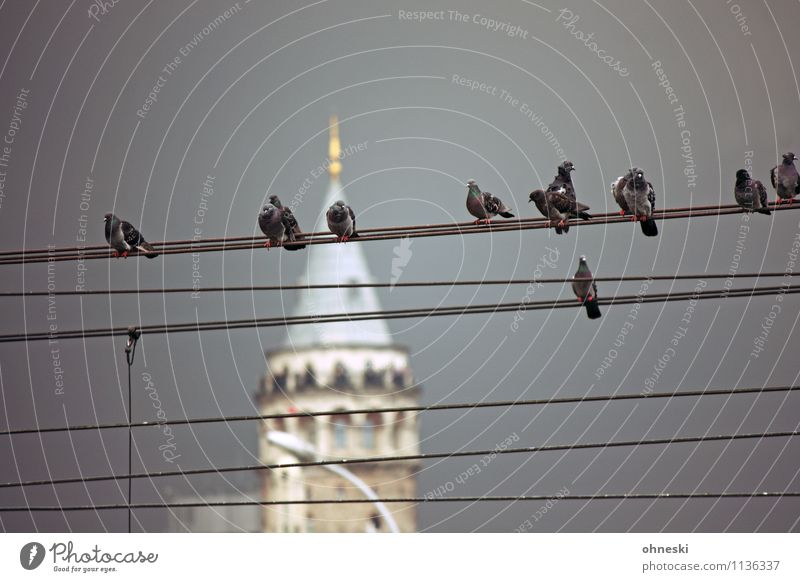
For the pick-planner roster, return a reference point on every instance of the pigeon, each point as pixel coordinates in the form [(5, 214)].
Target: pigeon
[(639, 198), (558, 207), (750, 194), (270, 220), (785, 179), (563, 181), (483, 205), (585, 289), (617, 187), (558, 203), (342, 221), (290, 225), (123, 237)]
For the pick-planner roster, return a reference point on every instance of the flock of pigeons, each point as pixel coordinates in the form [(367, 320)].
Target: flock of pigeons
[(632, 192)]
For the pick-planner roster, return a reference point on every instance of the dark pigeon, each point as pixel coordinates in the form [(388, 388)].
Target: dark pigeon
[(585, 289), (290, 226), (640, 199), (785, 179), (483, 205), (558, 208), (563, 180), (342, 221), (123, 237), (750, 194)]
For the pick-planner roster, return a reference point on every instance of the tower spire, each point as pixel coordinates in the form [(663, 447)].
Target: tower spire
[(334, 149)]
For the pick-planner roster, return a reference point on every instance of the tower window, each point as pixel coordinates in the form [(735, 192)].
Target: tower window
[(368, 435), (340, 434)]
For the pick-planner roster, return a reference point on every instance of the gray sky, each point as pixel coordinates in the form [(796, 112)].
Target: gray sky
[(248, 104)]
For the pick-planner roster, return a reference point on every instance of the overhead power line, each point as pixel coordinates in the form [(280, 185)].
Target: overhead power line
[(405, 458), (468, 283), (432, 499), (430, 408), (393, 314), (24, 256)]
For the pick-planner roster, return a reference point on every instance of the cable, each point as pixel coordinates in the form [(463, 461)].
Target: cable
[(130, 354), (384, 233), (465, 499), (468, 283), (404, 458), (430, 408), (306, 235), (395, 314)]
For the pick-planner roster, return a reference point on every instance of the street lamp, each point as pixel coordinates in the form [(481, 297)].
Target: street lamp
[(305, 452)]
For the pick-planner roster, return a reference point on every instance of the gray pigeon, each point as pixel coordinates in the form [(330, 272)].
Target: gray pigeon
[(290, 225), (585, 289), (785, 179), (558, 208), (342, 221), (483, 205), (123, 237), (640, 199), (617, 188), (750, 194), (270, 220)]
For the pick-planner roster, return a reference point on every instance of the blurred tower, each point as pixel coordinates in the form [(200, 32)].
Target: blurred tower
[(338, 366)]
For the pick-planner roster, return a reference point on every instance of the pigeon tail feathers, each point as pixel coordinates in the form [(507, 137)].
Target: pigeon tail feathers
[(649, 227), (147, 249), (592, 308)]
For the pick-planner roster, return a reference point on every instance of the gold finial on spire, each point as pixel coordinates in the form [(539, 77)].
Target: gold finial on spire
[(334, 149)]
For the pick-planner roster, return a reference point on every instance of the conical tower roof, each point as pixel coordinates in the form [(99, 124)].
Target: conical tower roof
[(341, 264)]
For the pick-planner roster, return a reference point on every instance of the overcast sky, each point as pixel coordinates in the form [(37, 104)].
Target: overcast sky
[(133, 108)]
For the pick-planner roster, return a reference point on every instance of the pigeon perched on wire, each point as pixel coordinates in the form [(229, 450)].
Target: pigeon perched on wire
[(563, 180), (636, 196), (750, 194), (342, 221), (585, 289), (558, 203), (483, 205), (290, 225), (123, 237), (785, 179)]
